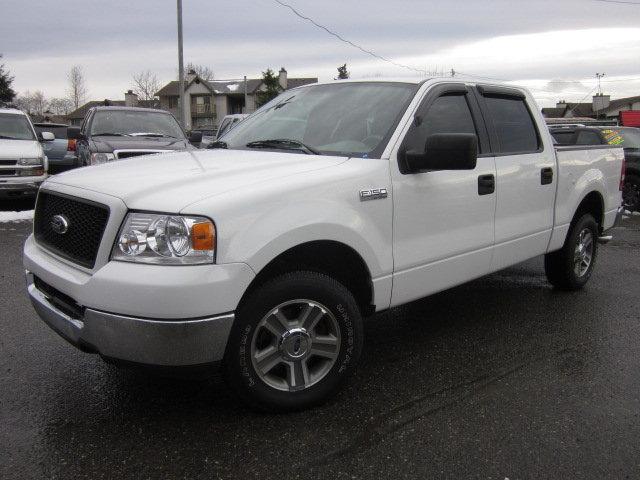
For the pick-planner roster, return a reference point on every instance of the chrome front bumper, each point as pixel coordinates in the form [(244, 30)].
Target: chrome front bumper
[(139, 340), (12, 188)]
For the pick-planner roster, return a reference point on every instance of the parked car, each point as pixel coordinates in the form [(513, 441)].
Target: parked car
[(23, 164), (331, 202), (61, 152), (626, 137), (230, 121), (115, 133), (208, 136)]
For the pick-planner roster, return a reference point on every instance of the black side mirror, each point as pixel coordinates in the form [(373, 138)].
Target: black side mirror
[(444, 151), (74, 133), (195, 137)]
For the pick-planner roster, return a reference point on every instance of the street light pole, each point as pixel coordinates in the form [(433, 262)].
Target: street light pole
[(181, 110)]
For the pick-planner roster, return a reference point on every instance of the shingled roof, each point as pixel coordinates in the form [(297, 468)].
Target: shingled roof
[(80, 112)]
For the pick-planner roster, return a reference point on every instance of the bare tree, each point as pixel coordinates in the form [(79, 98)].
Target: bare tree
[(77, 86), (202, 71), (60, 106), (145, 85), (39, 103), (24, 102)]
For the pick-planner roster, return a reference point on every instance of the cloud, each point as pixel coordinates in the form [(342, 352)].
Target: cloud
[(537, 44)]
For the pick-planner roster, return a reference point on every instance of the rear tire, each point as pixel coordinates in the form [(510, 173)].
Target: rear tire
[(294, 342), (570, 267), (631, 192)]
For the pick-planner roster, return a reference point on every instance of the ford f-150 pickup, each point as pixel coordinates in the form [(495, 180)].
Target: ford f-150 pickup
[(331, 202)]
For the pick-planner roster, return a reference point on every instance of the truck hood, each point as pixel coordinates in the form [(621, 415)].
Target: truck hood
[(12, 149), (170, 181), (106, 144)]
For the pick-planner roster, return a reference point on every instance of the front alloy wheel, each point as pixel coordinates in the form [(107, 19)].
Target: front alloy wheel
[(295, 340), (295, 345)]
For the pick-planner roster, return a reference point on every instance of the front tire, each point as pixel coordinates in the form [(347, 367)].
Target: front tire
[(570, 267), (294, 342)]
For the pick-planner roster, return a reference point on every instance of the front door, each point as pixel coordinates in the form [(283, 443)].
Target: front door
[(443, 220)]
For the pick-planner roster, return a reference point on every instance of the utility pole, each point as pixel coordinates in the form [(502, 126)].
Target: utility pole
[(599, 77), (246, 105), (181, 110)]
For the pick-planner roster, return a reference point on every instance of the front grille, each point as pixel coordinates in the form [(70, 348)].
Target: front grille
[(85, 220), (8, 162), (121, 155), (8, 173)]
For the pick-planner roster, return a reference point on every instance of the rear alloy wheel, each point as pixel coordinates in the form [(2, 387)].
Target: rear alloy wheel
[(570, 267), (295, 341), (631, 193)]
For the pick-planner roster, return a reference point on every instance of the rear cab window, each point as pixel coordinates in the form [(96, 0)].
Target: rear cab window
[(514, 129)]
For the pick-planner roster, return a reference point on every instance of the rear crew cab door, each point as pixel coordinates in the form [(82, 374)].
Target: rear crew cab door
[(526, 176), (443, 226)]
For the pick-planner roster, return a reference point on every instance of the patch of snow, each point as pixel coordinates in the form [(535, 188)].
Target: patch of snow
[(16, 216), (233, 87), (636, 214)]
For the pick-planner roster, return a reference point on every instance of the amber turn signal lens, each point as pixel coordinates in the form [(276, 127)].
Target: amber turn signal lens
[(203, 236)]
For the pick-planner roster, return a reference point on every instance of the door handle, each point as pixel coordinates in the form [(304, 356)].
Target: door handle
[(546, 176), (486, 184)]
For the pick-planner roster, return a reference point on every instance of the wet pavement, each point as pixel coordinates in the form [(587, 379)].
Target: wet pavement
[(499, 378)]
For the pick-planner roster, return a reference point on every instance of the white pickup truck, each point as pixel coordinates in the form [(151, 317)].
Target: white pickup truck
[(332, 202)]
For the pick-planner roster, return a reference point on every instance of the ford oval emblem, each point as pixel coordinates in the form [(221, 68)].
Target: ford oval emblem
[(59, 224)]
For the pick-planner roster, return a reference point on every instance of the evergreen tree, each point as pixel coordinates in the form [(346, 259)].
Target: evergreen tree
[(272, 87), (7, 94), (343, 73)]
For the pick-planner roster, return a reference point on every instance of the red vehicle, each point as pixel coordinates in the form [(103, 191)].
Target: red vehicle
[(630, 118)]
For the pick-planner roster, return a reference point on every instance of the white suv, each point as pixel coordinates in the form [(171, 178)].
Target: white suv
[(23, 164)]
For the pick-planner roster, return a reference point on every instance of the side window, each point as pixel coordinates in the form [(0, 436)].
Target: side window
[(447, 114), (513, 125), (564, 138), (585, 137)]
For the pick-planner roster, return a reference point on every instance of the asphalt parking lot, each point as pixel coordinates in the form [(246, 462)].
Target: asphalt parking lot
[(499, 378)]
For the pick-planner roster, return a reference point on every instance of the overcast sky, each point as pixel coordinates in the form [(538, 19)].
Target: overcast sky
[(554, 47)]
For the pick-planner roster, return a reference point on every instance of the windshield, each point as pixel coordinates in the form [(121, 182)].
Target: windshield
[(135, 123), (623, 137), (351, 119), (15, 127)]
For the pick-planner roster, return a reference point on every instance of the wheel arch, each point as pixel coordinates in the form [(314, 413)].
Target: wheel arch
[(593, 203), (333, 258)]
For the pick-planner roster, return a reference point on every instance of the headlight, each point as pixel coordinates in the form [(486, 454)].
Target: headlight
[(165, 239), (98, 158), (31, 161)]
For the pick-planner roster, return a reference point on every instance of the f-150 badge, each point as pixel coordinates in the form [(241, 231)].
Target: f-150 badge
[(373, 194)]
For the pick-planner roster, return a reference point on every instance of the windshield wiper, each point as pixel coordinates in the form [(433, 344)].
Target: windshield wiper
[(218, 144), (149, 134), (109, 134), (285, 144), (4, 137)]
